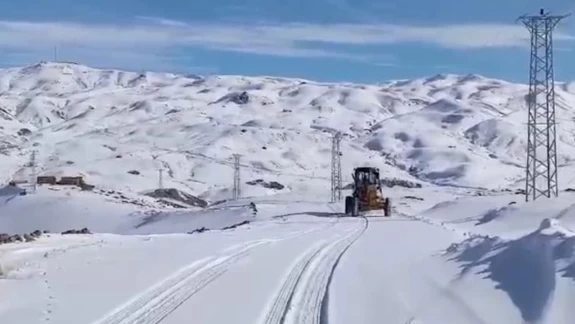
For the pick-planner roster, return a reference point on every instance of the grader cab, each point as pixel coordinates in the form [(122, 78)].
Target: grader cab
[(367, 196)]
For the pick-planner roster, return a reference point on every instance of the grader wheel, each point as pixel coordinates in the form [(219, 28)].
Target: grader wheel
[(349, 205), (387, 207)]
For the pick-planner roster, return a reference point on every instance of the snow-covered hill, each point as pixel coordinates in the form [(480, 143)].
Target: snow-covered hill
[(446, 129)]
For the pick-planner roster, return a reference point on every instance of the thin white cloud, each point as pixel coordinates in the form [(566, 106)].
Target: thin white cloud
[(157, 35), (449, 36), (163, 21)]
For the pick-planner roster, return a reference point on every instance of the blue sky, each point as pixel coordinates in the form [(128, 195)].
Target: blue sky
[(328, 40)]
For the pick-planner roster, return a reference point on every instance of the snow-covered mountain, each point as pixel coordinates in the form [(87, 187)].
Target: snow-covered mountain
[(447, 129)]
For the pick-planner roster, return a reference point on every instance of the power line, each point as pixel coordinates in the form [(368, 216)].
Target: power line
[(336, 167), (237, 189), (541, 169)]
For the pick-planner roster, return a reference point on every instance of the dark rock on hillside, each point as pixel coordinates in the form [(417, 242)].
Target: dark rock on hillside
[(240, 98), (24, 132), (26, 237), (177, 195), (413, 198), (199, 230), (246, 222), (270, 185), (74, 231)]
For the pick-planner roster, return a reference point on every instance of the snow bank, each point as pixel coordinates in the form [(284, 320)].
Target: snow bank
[(185, 221), (503, 215), (57, 211), (526, 248)]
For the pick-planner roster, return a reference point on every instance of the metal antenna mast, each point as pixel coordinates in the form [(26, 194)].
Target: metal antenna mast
[(336, 167), (237, 190), (541, 169)]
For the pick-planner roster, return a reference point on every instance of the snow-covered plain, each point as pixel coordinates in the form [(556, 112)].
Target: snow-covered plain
[(461, 249)]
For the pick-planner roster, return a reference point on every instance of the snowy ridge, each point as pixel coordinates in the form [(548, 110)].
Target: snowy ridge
[(447, 129)]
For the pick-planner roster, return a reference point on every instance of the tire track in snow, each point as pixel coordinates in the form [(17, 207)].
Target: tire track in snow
[(161, 299), (154, 304), (280, 304), (301, 296)]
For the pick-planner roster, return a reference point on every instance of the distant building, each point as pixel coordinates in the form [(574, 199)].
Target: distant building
[(74, 181), (46, 180)]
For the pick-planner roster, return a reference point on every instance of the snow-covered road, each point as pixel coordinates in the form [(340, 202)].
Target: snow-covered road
[(244, 278), (164, 278), (269, 272)]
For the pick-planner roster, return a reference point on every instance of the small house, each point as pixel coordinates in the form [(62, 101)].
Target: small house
[(46, 180), (74, 181)]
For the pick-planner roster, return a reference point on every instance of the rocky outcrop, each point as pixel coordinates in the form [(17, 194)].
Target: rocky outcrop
[(240, 98), (269, 185), (74, 231), (26, 237), (178, 196)]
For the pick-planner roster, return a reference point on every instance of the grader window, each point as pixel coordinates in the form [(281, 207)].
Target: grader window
[(369, 178)]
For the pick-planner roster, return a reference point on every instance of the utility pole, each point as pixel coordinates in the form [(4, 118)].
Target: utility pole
[(237, 189), (336, 167), (33, 171), (541, 169), (160, 179)]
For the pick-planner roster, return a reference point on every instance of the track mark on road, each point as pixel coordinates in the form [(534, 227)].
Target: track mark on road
[(280, 304), (160, 300), (301, 296), (157, 302)]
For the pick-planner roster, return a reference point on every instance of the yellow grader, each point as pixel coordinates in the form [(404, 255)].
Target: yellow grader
[(367, 194)]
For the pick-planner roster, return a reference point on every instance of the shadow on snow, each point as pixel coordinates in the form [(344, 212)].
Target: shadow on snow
[(524, 268)]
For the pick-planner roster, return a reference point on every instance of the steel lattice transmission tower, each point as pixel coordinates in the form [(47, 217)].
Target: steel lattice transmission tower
[(336, 167), (237, 191), (541, 169)]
